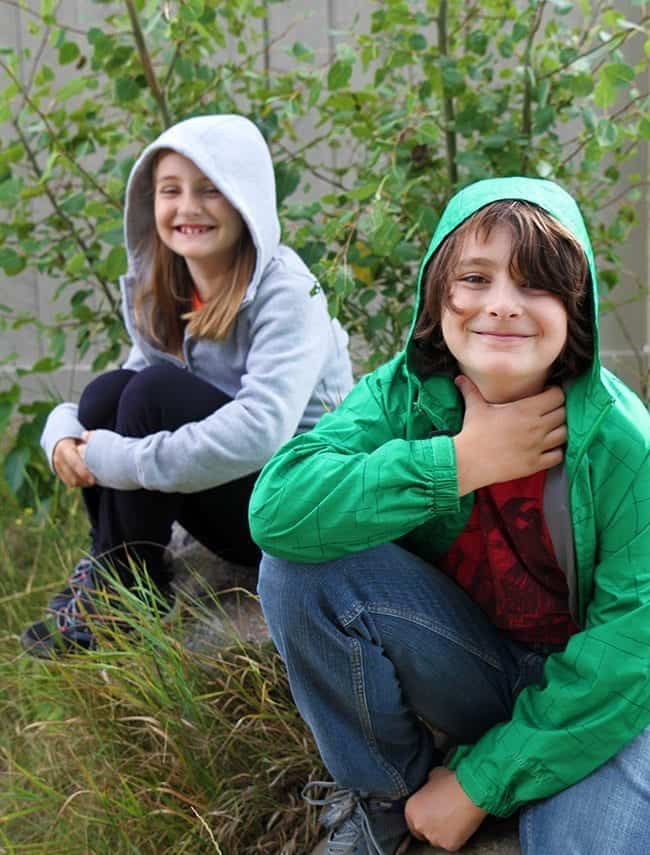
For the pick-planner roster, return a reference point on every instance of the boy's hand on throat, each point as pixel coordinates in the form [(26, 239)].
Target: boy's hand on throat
[(501, 442), (441, 813)]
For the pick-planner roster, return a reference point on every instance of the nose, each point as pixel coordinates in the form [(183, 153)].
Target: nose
[(189, 204), (504, 300)]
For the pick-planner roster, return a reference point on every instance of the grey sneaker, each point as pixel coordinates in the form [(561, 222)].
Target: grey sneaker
[(360, 825)]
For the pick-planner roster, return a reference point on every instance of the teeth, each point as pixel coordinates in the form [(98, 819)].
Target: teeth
[(193, 230)]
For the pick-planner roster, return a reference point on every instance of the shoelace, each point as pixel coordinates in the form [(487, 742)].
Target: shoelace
[(81, 572), (338, 807), (69, 616)]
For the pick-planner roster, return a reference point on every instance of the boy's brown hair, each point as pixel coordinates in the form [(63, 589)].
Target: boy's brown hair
[(545, 252)]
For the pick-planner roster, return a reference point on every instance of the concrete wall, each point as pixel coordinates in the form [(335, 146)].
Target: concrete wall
[(318, 25)]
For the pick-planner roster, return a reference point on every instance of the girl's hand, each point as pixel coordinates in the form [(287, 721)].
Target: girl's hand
[(85, 437), (68, 462), (441, 813)]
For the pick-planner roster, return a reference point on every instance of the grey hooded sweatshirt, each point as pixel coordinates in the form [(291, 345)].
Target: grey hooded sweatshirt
[(284, 361)]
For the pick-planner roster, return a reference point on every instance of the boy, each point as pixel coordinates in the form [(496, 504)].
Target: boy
[(482, 569)]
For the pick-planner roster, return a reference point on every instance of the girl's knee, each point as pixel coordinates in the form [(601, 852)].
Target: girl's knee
[(100, 399), (144, 400)]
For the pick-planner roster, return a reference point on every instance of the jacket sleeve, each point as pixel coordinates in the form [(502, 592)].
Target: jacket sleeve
[(596, 694), (61, 423), (352, 482), (290, 333)]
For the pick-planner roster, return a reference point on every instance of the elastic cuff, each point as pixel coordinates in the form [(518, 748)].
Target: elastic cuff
[(444, 479)]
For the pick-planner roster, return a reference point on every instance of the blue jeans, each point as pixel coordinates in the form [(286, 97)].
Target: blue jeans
[(377, 642)]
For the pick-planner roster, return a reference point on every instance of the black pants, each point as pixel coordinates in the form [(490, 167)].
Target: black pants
[(136, 524)]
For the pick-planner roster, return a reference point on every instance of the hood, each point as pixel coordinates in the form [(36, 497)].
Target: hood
[(547, 195), (233, 154)]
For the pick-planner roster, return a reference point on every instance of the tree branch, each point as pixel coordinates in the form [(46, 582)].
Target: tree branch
[(620, 36), (145, 59), (23, 8), (53, 136), (526, 110), (448, 101), (61, 213)]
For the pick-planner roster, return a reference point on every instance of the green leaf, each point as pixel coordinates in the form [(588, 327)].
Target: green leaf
[(543, 118), (605, 93), (11, 262), (115, 263), (287, 179), (417, 42), (606, 132), (15, 467), (68, 52), (644, 128), (73, 87), (126, 89), (452, 77), (10, 191), (339, 74), (302, 52), (74, 203), (618, 73), (8, 400), (477, 41), (581, 84), (76, 264)]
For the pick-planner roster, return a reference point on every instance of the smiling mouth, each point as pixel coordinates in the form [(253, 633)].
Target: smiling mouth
[(503, 336), (191, 231)]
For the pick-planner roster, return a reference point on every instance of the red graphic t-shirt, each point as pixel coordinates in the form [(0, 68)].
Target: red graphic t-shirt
[(504, 560)]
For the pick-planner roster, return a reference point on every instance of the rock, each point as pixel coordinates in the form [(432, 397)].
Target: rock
[(495, 837), (218, 595)]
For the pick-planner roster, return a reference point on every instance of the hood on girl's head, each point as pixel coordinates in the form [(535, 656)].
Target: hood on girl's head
[(233, 154)]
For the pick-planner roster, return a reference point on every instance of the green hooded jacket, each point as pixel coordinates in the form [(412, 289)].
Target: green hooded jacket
[(382, 467)]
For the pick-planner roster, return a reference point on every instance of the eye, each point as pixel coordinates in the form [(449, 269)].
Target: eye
[(211, 191), (473, 279), (167, 190)]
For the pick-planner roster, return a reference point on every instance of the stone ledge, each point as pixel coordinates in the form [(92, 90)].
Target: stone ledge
[(198, 573), (496, 837)]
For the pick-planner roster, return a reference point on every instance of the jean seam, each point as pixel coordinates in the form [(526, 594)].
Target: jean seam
[(526, 832), (379, 609), (356, 661)]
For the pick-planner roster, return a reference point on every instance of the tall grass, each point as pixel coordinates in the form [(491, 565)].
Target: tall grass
[(142, 746)]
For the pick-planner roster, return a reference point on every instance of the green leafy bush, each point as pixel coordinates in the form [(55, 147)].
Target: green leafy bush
[(433, 95)]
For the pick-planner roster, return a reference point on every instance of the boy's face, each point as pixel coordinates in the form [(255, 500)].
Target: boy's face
[(504, 333)]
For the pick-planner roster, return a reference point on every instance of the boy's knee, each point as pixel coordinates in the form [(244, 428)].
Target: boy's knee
[(290, 593)]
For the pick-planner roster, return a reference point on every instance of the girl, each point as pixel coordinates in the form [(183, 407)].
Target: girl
[(233, 351), (512, 609)]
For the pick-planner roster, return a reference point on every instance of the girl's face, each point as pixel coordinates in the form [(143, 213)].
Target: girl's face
[(192, 217), (503, 331)]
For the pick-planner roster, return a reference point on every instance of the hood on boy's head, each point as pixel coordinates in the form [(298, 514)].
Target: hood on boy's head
[(233, 154), (545, 194)]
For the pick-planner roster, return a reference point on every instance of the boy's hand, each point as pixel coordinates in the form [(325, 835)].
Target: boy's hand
[(501, 442), (69, 465), (441, 813)]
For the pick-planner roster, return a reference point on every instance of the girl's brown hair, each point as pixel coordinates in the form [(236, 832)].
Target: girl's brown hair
[(163, 298), (545, 252)]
